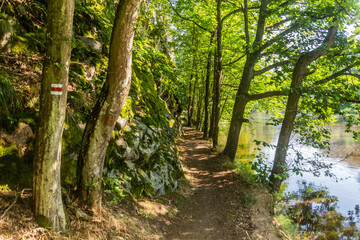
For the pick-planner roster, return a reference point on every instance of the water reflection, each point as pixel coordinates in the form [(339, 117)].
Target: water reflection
[(256, 130), (344, 154)]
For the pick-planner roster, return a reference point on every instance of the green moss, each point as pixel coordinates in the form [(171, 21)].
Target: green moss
[(127, 109), (43, 221), (13, 171), (77, 68), (71, 143)]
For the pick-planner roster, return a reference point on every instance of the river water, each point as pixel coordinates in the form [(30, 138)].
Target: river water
[(344, 155)]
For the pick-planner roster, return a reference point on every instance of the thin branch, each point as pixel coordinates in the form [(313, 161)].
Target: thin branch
[(13, 203), (188, 19), (2, 4), (309, 73), (335, 75), (229, 85), (232, 4), (236, 60), (258, 96), (279, 36), (246, 23), (352, 100), (261, 23), (342, 7), (353, 74), (264, 70), (231, 13), (286, 3), (278, 23)]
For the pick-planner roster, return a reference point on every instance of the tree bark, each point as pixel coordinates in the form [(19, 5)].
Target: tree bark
[(299, 73), (241, 100), (199, 109), (190, 101), (192, 104), (108, 107), (237, 118), (48, 206), (217, 76), (207, 88), (212, 118)]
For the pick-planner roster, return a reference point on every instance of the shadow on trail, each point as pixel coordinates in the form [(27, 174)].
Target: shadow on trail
[(216, 207)]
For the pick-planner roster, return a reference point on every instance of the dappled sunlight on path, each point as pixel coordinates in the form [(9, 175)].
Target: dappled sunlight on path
[(215, 207)]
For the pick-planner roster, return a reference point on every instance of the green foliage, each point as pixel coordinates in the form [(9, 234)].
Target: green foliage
[(114, 185), (71, 143), (261, 170), (244, 168), (9, 100), (94, 19), (4, 187), (25, 21)]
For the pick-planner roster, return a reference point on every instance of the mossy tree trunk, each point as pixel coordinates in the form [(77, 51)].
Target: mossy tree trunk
[(108, 107), (287, 126), (48, 206)]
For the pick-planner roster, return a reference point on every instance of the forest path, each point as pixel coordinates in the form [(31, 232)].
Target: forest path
[(215, 207)]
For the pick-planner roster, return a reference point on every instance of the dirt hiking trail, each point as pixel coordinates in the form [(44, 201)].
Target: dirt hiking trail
[(215, 208)]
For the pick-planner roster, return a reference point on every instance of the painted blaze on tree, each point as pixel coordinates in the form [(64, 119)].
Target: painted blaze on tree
[(48, 206), (108, 107)]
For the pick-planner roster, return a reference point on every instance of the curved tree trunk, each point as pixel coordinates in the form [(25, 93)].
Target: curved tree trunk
[(291, 108), (48, 206), (107, 109), (241, 100)]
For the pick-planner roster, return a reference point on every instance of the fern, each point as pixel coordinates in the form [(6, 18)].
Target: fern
[(9, 100)]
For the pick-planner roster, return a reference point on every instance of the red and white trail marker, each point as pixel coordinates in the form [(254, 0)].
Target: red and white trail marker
[(56, 89)]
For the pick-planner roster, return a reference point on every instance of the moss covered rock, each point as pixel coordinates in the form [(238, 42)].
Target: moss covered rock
[(142, 152)]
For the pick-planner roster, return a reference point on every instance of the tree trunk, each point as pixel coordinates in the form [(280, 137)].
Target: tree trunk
[(48, 206), (237, 118), (199, 109), (241, 99), (212, 118), (108, 107), (207, 88), (192, 104), (217, 76), (190, 101), (299, 73)]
